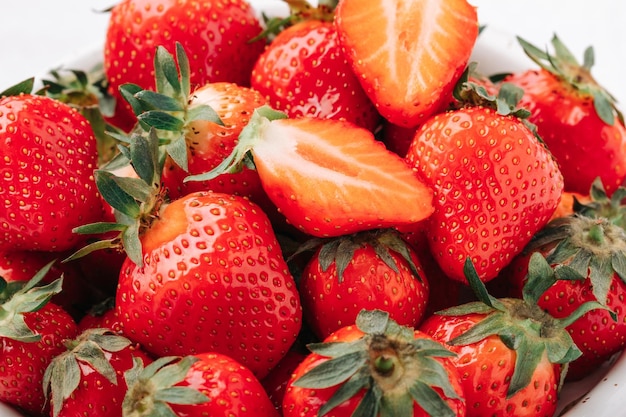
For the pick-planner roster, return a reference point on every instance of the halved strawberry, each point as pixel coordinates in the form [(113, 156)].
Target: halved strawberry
[(408, 54), (329, 177)]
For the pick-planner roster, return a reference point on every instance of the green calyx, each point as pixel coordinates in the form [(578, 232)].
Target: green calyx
[(565, 66), (152, 389), (395, 370), (136, 201), (601, 205), (472, 93), (87, 91), (586, 247), (341, 250), (167, 110), (18, 298), (241, 154), (63, 375), (520, 323)]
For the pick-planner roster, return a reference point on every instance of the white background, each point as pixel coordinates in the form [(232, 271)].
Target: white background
[(36, 35)]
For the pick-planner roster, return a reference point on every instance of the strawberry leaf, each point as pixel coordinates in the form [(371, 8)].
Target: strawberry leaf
[(430, 400), (115, 195), (25, 87)]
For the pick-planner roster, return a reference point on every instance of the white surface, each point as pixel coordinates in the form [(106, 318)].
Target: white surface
[(37, 35)]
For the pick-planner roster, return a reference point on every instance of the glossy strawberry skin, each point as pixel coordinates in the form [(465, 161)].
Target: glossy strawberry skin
[(306, 402), (304, 72), (495, 186), (48, 156), (232, 388), (330, 303), (584, 146), (215, 35), (596, 334), (486, 368), (209, 144), (96, 395), (213, 279), (22, 364)]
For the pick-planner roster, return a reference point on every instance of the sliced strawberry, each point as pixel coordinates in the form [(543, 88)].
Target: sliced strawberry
[(408, 54), (330, 177)]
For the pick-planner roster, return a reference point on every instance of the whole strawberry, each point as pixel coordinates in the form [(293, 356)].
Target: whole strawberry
[(205, 384), (215, 33), (495, 182), (375, 368), (304, 71), (204, 272), (197, 128), (370, 270), (87, 379), (48, 154), (32, 331), (575, 116), (588, 249), (510, 353)]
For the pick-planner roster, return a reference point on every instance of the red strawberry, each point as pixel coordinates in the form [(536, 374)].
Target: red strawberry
[(495, 184), (575, 116), (204, 272), (218, 252), (206, 384), (77, 295), (510, 352), (209, 143), (588, 252), (370, 270), (88, 378), (325, 184), (304, 72), (214, 33), (198, 129), (48, 156), (32, 331), (408, 55), (275, 383), (375, 366)]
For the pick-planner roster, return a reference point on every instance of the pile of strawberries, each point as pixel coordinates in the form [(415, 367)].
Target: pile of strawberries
[(329, 213)]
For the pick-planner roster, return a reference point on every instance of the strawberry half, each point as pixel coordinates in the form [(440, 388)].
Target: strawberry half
[(328, 177), (408, 54)]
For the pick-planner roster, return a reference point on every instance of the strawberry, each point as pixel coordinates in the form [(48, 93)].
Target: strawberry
[(93, 364), (214, 33), (576, 117), (588, 251), (32, 331), (275, 383), (372, 367), (511, 354), (495, 183), (48, 157), (210, 143), (369, 270), (304, 72), (77, 294), (206, 384), (408, 55), (204, 272), (324, 184), (197, 128)]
